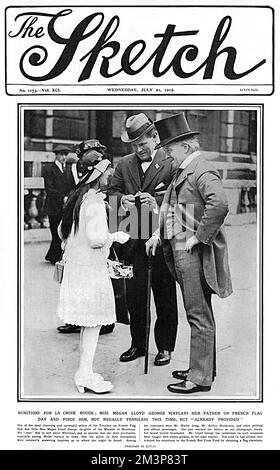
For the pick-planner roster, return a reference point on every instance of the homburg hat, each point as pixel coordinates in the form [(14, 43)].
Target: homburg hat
[(135, 127)]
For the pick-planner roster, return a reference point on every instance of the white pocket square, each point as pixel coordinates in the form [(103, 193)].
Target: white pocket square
[(160, 185)]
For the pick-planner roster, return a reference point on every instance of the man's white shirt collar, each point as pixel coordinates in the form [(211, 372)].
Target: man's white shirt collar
[(75, 173), (145, 165), (189, 159), (59, 165)]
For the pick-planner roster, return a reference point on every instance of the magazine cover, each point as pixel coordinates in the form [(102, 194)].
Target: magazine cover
[(139, 266)]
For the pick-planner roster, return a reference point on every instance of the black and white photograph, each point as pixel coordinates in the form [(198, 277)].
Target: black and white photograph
[(138, 243), (140, 253)]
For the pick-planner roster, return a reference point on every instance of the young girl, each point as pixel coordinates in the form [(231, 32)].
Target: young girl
[(86, 295)]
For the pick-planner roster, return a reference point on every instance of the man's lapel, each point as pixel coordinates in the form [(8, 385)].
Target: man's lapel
[(134, 171), (57, 171), (164, 208), (153, 169), (187, 171)]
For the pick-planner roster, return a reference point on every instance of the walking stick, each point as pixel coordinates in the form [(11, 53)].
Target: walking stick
[(148, 316)]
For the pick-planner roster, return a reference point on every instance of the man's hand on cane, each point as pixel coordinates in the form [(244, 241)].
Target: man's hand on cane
[(147, 199), (191, 242), (152, 244), (128, 201)]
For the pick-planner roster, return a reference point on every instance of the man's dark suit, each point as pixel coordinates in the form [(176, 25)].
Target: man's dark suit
[(127, 180), (58, 184)]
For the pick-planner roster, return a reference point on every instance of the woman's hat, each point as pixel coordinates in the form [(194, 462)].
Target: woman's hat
[(92, 144), (172, 129), (135, 127)]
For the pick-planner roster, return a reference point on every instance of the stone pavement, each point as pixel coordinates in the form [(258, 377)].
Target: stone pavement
[(49, 359)]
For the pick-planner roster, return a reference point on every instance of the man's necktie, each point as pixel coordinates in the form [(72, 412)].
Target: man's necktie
[(178, 172)]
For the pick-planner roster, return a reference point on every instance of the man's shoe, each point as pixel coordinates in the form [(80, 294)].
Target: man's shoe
[(106, 329), (131, 354), (187, 387), (68, 328), (180, 374), (162, 358)]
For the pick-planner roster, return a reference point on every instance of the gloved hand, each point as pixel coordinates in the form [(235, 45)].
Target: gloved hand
[(120, 237), (128, 201)]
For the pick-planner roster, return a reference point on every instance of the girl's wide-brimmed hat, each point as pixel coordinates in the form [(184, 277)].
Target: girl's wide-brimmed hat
[(91, 166), (172, 129), (135, 127)]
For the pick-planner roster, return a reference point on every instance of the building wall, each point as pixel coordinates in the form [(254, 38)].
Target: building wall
[(227, 137), (226, 134)]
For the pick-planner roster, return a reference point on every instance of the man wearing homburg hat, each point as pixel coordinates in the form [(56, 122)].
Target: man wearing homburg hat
[(57, 189), (138, 179), (194, 243)]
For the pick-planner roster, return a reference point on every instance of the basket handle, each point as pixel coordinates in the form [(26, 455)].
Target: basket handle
[(115, 254)]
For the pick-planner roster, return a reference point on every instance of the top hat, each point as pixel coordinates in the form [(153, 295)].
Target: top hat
[(135, 127), (95, 144), (172, 129), (61, 148)]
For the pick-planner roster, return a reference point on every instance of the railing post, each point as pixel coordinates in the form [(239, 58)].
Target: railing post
[(33, 211), (245, 202), (42, 216)]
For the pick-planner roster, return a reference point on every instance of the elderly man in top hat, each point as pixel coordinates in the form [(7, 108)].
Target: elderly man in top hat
[(195, 248), (136, 182), (57, 189)]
